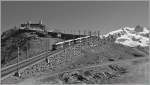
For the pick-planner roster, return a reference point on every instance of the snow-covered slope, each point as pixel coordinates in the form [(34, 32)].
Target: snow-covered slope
[(138, 36)]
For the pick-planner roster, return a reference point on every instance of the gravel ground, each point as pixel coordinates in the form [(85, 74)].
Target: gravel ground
[(137, 73)]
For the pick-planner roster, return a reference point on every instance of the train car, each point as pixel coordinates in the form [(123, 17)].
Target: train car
[(67, 43), (79, 40), (54, 47), (58, 45), (63, 44), (72, 42), (84, 39), (75, 41)]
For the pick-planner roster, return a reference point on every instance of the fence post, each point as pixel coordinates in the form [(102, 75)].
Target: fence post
[(84, 32), (79, 32), (74, 43), (98, 35)]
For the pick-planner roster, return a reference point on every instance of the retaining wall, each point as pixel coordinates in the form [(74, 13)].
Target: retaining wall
[(49, 64)]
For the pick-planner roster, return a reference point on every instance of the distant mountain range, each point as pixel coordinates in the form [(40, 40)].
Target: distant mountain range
[(138, 36)]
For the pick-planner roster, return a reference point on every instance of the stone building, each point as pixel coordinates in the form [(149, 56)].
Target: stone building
[(33, 26), (139, 28)]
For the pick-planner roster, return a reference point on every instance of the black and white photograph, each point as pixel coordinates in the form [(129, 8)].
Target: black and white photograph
[(74, 42)]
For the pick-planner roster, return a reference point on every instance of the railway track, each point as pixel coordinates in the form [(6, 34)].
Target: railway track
[(9, 70)]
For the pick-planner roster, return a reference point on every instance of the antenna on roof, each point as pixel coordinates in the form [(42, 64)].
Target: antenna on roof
[(28, 22), (40, 22)]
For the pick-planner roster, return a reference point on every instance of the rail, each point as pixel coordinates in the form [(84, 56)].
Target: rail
[(20, 65)]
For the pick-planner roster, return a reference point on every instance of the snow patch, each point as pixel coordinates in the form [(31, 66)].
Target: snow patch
[(132, 36)]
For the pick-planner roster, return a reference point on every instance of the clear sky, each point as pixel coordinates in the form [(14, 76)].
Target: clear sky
[(86, 15)]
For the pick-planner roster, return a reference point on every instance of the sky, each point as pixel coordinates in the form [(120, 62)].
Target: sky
[(104, 16)]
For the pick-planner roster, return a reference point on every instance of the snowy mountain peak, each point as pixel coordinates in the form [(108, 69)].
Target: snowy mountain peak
[(138, 36)]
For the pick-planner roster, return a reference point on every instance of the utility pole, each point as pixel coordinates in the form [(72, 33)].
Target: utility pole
[(47, 48), (98, 33), (71, 31), (27, 49), (84, 32), (74, 32), (17, 73), (79, 32), (90, 37), (64, 31), (18, 58), (41, 45), (48, 43), (73, 42), (90, 33), (79, 36), (94, 33)]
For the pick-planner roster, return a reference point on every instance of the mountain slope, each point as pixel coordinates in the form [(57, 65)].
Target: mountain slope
[(30, 42)]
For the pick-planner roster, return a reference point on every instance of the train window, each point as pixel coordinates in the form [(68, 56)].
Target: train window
[(54, 47)]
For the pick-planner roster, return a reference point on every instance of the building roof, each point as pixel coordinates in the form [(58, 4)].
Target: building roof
[(32, 25)]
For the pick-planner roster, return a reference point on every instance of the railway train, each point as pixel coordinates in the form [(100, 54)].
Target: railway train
[(67, 43), (70, 42)]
